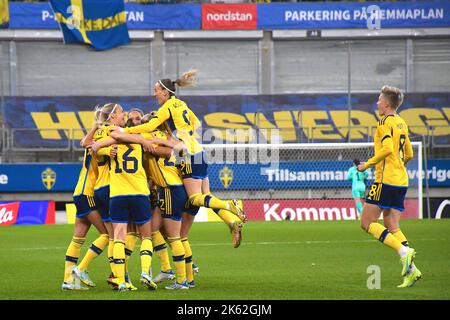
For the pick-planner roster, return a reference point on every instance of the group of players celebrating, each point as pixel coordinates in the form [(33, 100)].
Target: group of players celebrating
[(147, 181), (144, 181)]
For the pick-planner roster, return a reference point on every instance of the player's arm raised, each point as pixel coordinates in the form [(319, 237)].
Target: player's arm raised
[(161, 116), (88, 139)]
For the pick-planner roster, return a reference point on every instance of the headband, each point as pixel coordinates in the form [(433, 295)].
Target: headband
[(112, 111), (160, 82)]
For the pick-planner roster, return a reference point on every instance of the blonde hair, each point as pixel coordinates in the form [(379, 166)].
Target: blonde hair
[(106, 111), (187, 79), (393, 95), (97, 112)]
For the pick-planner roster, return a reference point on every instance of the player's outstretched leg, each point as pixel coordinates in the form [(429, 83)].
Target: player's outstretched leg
[(210, 201)]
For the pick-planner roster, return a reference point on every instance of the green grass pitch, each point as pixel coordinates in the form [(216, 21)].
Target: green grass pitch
[(276, 261)]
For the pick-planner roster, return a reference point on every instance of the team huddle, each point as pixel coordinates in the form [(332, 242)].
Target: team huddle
[(144, 179)]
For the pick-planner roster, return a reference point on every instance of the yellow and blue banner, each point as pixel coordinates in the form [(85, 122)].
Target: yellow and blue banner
[(99, 23), (4, 14)]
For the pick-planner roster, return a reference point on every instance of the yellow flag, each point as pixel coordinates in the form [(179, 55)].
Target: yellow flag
[(4, 14)]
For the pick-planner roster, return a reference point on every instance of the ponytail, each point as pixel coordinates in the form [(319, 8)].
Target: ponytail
[(187, 79)]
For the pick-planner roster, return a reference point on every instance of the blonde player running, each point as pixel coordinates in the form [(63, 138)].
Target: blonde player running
[(182, 123), (129, 202), (392, 151), (86, 215)]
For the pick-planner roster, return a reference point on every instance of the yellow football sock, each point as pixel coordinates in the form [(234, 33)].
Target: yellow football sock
[(119, 260), (384, 236), (400, 237), (188, 259), (94, 251), (160, 248), (146, 254), (227, 217), (72, 255), (209, 201), (111, 254), (130, 242), (178, 258)]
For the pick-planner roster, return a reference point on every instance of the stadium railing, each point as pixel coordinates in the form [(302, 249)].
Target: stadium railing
[(439, 141)]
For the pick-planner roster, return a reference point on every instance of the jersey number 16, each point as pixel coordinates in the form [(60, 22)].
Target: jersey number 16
[(130, 164)]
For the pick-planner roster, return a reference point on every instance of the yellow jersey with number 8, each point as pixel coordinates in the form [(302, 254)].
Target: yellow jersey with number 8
[(391, 170)]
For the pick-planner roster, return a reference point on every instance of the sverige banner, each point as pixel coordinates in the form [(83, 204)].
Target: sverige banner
[(371, 15), (63, 177), (309, 174), (168, 16)]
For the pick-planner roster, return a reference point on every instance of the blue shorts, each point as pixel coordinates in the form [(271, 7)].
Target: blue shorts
[(134, 209), (386, 196), (172, 201), (101, 197), (194, 166), (191, 209), (84, 204)]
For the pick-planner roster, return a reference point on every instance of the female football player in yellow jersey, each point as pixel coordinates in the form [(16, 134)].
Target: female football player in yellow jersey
[(393, 150), (129, 203), (86, 215), (182, 123), (105, 121)]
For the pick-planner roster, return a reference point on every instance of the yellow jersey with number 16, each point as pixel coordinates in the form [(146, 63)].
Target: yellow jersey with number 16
[(127, 174)]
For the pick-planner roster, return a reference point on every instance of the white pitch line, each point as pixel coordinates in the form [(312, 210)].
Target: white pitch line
[(246, 243)]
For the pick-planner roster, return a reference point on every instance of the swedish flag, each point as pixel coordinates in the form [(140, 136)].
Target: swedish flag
[(4, 14), (99, 23)]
